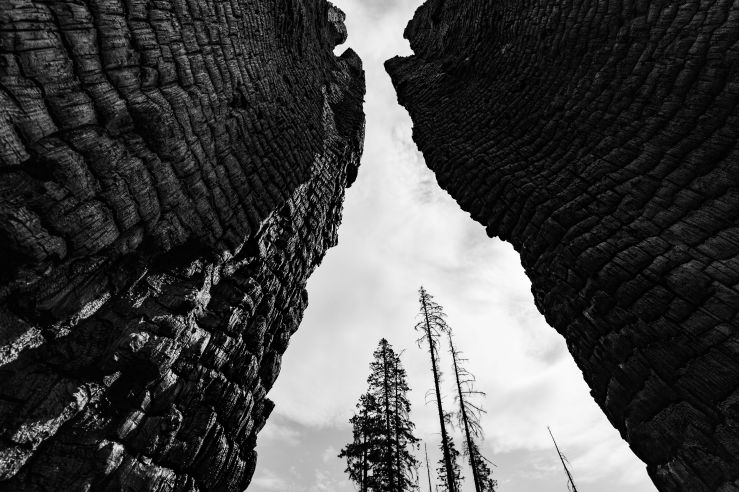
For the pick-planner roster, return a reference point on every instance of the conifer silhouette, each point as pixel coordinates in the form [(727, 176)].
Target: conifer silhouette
[(380, 456)]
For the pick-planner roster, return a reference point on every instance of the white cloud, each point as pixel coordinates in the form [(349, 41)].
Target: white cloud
[(279, 435), (329, 454), (324, 482), (267, 480)]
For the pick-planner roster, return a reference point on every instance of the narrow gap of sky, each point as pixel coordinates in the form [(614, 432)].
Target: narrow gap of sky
[(400, 230)]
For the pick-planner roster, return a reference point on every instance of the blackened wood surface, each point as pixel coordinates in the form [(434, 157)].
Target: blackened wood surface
[(171, 171), (599, 137)]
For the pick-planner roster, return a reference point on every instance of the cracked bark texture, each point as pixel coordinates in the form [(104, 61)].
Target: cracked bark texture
[(600, 139), (171, 171)]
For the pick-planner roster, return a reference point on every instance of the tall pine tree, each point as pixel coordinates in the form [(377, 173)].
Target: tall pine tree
[(431, 326), (468, 416), (380, 456)]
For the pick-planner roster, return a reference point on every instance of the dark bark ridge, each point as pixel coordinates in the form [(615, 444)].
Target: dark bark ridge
[(171, 172), (600, 139)]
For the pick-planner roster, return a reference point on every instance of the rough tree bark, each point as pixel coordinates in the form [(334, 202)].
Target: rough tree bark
[(600, 139), (171, 173)]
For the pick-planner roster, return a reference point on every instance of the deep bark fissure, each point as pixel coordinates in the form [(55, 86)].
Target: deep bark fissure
[(163, 218)]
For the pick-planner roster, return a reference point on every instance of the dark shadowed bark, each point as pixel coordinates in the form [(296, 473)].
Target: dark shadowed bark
[(599, 137), (172, 172)]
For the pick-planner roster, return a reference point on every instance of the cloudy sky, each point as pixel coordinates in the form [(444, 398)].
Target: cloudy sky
[(401, 231)]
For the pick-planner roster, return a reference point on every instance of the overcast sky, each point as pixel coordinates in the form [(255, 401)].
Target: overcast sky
[(400, 231)]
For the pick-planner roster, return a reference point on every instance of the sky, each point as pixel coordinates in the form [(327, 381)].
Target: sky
[(401, 231)]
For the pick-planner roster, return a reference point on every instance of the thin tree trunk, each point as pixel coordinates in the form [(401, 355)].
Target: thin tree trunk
[(428, 470), (470, 448), (397, 436), (567, 470), (387, 420), (363, 485), (445, 446)]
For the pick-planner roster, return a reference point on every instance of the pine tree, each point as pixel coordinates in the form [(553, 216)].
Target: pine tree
[(380, 456), (432, 325), (468, 417), (444, 477), (406, 464), (366, 425)]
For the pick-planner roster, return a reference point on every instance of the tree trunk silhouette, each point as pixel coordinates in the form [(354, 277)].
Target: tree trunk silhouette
[(465, 419), (388, 416), (365, 466), (570, 480), (428, 469), (428, 318), (397, 413)]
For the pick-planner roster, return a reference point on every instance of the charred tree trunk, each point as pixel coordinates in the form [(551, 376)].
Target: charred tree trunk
[(599, 138), (172, 172)]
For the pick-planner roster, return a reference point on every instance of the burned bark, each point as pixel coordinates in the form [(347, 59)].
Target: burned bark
[(172, 172), (600, 139)]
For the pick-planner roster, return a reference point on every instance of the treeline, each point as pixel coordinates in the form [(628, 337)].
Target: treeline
[(382, 454)]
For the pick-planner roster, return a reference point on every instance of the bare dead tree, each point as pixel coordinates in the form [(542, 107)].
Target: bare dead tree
[(570, 482), (428, 468), (432, 325), (468, 417)]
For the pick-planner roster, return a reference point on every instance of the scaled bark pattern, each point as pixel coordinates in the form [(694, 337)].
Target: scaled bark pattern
[(599, 137), (171, 172)]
